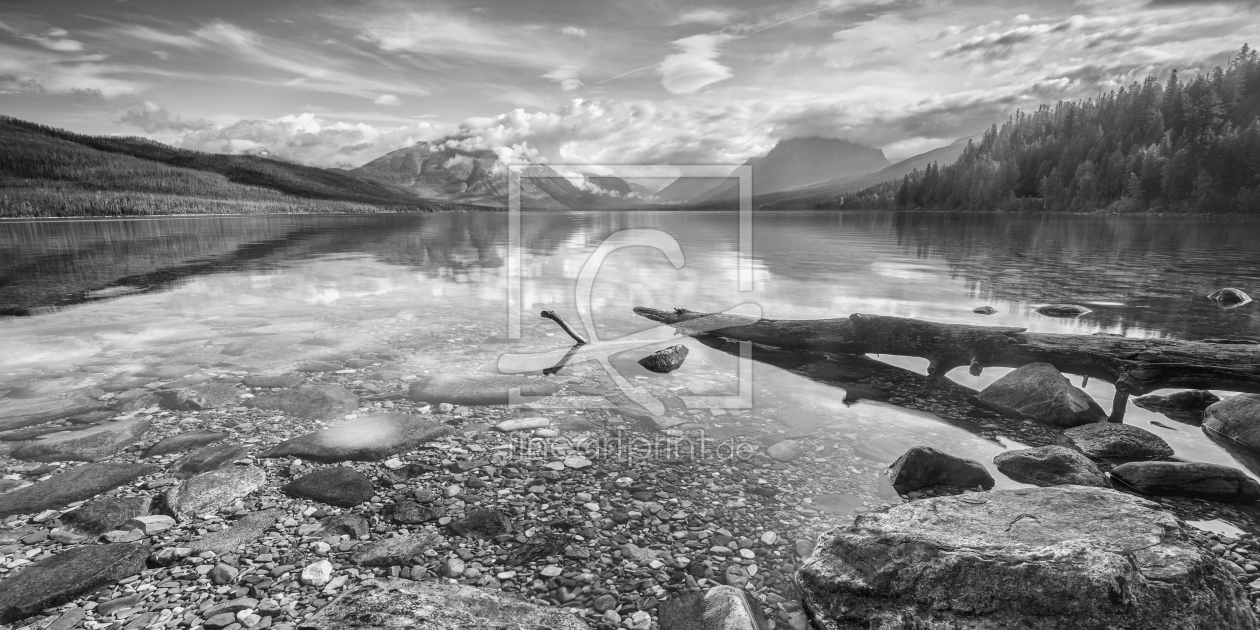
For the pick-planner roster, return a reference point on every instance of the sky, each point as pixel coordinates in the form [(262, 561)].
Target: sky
[(582, 81)]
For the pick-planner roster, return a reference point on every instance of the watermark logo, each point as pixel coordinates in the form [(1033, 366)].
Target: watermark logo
[(629, 448), (600, 350)]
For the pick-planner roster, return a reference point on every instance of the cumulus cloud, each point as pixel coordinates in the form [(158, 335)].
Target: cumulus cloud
[(574, 31), (387, 99), (566, 76), (154, 118), (689, 71)]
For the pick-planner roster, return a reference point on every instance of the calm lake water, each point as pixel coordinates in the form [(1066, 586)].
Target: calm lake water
[(88, 301)]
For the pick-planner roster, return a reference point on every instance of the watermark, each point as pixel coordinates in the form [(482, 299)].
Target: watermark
[(600, 350), (621, 446)]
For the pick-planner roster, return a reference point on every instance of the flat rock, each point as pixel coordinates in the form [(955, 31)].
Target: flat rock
[(665, 361), (1037, 391), (186, 441), (198, 397), (75, 484), (984, 310), (1051, 466), (278, 381), (730, 608), (521, 424), (246, 530), (1236, 418), (15, 414), (924, 466), (1062, 310), (478, 389), (102, 515), (483, 524), (314, 402), (396, 604), (351, 525), (1188, 479), (212, 491), (399, 550), (338, 485), (85, 445), (410, 512), (60, 578), (1187, 406), (315, 367), (785, 451), (1061, 557), (26, 435), (206, 459), (366, 438), (1116, 442)]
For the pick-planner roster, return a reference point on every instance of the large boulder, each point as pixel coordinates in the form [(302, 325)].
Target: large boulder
[(57, 579), (399, 550), (1188, 479), (338, 485), (76, 484), (314, 402), (206, 459), (212, 491), (1187, 406), (1061, 557), (398, 603), (364, 439), (1236, 418), (104, 514), (84, 445), (244, 531), (1051, 466), (721, 608), (924, 466), (1116, 442), (1037, 391), (198, 397), (478, 389)]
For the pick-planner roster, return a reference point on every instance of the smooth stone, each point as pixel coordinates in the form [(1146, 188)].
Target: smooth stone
[(576, 462), (232, 606), (337, 485), (90, 444), (398, 603), (313, 402), (1062, 310), (366, 438), (1186, 407), (731, 608), (212, 491), (521, 424), (984, 310), (315, 367), (1051, 466), (246, 530), (399, 550), (68, 619), (785, 451), (317, 573), (222, 574), (207, 459), (1198, 480), (26, 435), (151, 524), (665, 361), (97, 517), (122, 536), (75, 484), (277, 381), (16, 414), (409, 512), (1037, 391), (478, 389), (924, 466), (186, 441), (60, 578), (1230, 295), (1116, 442), (483, 524), (351, 525), (1236, 418), (198, 397), (1059, 557)]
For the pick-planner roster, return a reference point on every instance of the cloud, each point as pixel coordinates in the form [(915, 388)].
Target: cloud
[(566, 76), (154, 118), (574, 31), (706, 15), (387, 99), (458, 38), (689, 71), (994, 45)]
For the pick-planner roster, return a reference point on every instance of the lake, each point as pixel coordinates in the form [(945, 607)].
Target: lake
[(93, 301)]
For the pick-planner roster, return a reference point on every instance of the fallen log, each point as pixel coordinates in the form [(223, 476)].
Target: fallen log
[(1134, 366)]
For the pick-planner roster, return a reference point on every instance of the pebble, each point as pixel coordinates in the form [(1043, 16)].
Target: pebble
[(317, 573)]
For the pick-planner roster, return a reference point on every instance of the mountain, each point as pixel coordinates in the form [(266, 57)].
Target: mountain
[(798, 162), (438, 171), (685, 189), (52, 172)]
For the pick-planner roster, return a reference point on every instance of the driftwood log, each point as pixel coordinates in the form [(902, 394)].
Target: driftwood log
[(1134, 366)]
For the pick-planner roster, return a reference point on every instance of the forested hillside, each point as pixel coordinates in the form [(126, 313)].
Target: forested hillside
[(1161, 146), (51, 172)]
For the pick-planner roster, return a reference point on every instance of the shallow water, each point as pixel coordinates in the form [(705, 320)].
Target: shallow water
[(89, 301)]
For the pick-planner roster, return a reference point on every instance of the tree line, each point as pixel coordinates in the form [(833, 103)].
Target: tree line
[(1156, 146)]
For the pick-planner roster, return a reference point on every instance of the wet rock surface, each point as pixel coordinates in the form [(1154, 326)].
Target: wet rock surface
[(1051, 466), (209, 492), (1236, 418), (924, 466), (185, 441), (366, 438), (84, 445), (316, 402), (1062, 310), (102, 515), (1187, 406), (1188, 479), (77, 484), (477, 389), (1116, 442), (1067, 556), (665, 361), (62, 577), (207, 459), (1038, 391), (337, 485)]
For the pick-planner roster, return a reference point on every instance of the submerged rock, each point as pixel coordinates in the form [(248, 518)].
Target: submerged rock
[(721, 608), (75, 484), (366, 438), (1236, 418), (483, 524), (1038, 391), (398, 603), (410, 512), (1116, 442), (1229, 296), (1187, 406), (1061, 557), (1062, 310), (246, 530), (105, 514), (477, 389), (198, 397), (665, 361), (924, 466), (15, 414), (280, 381), (338, 485), (62, 577), (1051, 466), (90, 444), (351, 525), (208, 459), (984, 310), (315, 402), (785, 451), (212, 491), (1188, 479), (186, 441), (399, 550)]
